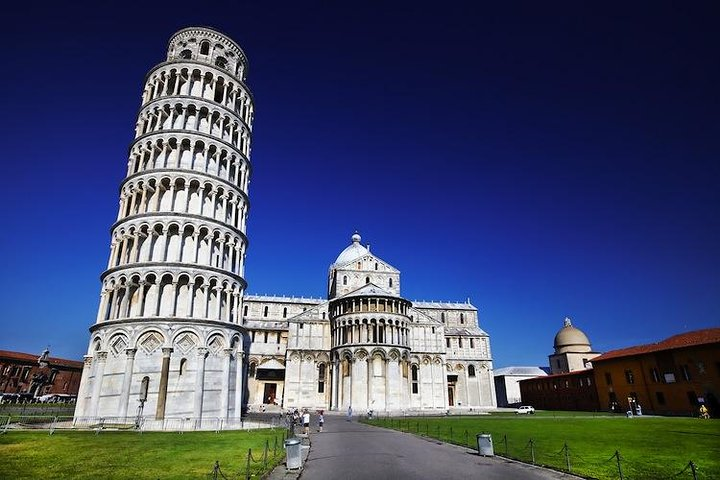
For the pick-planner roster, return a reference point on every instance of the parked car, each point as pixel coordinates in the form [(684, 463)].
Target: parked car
[(525, 409)]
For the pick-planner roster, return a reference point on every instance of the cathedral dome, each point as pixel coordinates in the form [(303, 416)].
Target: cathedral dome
[(571, 339), (353, 251)]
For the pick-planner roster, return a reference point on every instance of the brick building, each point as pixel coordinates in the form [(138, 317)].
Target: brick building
[(670, 377), (562, 391), (28, 373)]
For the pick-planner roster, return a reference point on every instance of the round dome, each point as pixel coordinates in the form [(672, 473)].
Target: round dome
[(353, 251), (571, 339)]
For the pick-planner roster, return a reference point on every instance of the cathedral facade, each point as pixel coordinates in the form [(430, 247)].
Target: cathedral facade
[(366, 346), (176, 336)]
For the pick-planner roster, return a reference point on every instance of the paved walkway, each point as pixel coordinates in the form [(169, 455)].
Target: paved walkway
[(352, 450)]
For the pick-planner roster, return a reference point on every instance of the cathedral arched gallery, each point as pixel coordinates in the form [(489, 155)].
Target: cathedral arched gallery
[(176, 334)]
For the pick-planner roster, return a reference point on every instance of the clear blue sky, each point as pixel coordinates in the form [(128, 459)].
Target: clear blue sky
[(542, 158)]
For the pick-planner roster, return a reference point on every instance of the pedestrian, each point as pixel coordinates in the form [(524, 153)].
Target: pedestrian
[(349, 416), (306, 422), (704, 411), (321, 420)]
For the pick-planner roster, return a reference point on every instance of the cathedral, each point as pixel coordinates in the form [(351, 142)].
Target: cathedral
[(176, 335), (366, 346)]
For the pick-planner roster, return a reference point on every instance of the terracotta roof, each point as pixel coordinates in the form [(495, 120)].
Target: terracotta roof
[(683, 340), (33, 358)]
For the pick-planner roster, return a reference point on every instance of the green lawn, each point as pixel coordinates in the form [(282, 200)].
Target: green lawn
[(650, 447), (130, 455)]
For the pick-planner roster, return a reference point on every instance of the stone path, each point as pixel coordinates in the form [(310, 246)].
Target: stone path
[(352, 450)]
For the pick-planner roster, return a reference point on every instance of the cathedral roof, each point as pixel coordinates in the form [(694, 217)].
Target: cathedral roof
[(467, 331), (444, 305), (353, 251), (369, 290)]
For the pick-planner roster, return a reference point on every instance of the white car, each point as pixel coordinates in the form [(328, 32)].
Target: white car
[(525, 409)]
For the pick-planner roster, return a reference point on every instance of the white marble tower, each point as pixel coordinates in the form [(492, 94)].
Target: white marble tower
[(168, 340)]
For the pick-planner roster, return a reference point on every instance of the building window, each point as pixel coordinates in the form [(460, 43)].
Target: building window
[(442, 317), (471, 370), (367, 279), (285, 312), (462, 318), (245, 311), (344, 279), (472, 343), (359, 265), (608, 378), (390, 282), (277, 337), (447, 342), (265, 311), (266, 337), (186, 54), (414, 372), (376, 265), (655, 375), (183, 366), (686, 373), (669, 377), (204, 48), (660, 397), (252, 335), (629, 376), (433, 329), (221, 62), (321, 378), (251, 370)]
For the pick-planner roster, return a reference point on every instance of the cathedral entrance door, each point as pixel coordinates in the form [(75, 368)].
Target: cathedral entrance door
[(451, 396), (269, 393)]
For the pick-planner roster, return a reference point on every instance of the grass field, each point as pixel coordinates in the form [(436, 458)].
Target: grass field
[(651, 448), (130, 455)]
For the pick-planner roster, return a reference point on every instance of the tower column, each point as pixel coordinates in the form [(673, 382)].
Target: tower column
[(162, 389), (127, 381), (100, 358), (199, 382)]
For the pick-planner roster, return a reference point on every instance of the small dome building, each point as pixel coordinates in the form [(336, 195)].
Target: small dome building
[(572, 350)]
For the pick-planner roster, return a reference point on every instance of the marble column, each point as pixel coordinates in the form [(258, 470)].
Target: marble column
[(199, 381), (239, 385), (162, 389), (127, 381), (225, 386), (100, 359)]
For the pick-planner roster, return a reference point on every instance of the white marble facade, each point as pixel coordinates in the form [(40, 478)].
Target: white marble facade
[(365, 346), (168, 341), (177, 338)]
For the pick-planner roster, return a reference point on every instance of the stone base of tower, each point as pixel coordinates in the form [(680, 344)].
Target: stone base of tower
[(164, 370)]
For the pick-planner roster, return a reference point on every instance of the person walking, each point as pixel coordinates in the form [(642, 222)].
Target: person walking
[(321, 420), (349, 415), (306, 422)]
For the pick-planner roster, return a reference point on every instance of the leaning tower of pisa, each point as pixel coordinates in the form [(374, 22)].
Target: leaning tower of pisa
[(167, 342)]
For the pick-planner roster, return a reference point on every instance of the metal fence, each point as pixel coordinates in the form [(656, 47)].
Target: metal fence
[(614, 466), (255, 464), (9, 422)]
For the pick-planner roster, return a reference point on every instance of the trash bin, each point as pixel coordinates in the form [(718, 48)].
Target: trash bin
[(293, 458), (485, 445)]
